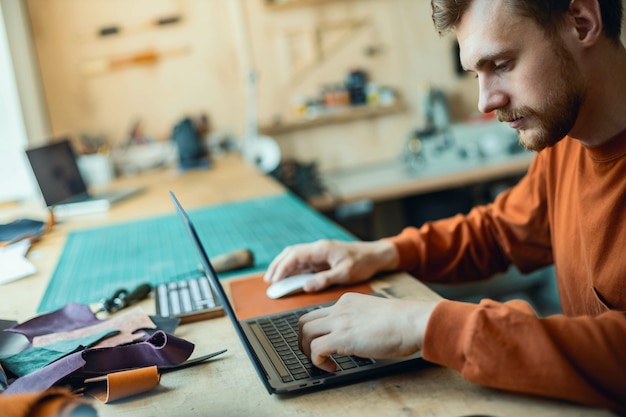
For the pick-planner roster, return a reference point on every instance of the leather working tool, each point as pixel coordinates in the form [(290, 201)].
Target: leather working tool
[(122, 298)]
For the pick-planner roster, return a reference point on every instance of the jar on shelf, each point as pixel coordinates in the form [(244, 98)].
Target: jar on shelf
[(372, 92), (356, 82)]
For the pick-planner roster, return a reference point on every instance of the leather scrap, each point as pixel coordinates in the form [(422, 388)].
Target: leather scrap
[(250, 300), (55, 402), (161, 349), (32, 359), (4, 381), (127, 323), (70, 317), (123, 384), (25, 228)]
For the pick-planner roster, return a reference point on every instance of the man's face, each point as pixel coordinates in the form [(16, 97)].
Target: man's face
[(529, 79)]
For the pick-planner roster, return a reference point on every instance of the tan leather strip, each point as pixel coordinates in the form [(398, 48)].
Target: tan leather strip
[(123, 384)]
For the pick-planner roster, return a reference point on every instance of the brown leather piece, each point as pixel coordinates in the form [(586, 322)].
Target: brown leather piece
[(250, 300), (53, 402), (118, 385)]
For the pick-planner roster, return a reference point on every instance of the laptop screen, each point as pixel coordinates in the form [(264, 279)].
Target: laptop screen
[(56, 171), (217, 287)]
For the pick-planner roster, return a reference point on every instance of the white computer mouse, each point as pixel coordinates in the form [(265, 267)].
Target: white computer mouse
[(287, 286)]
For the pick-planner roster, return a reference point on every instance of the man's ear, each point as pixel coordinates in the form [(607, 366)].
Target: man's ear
[(586, 19)]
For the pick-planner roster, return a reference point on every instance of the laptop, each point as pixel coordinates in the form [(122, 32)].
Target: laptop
[(63, 187), (271, 341)]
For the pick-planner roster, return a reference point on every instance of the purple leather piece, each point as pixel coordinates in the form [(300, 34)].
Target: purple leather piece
[(72, 316), (47, 376), (160, 349)]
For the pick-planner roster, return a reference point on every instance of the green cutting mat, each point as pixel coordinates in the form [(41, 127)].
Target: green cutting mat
[(96, 262)]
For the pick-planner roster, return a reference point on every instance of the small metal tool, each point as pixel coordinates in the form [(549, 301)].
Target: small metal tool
[(122, 298)]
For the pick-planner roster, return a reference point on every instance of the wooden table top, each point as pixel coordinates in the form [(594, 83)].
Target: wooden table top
[(228, 385)]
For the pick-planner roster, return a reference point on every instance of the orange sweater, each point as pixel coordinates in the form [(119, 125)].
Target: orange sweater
[(569, 210)]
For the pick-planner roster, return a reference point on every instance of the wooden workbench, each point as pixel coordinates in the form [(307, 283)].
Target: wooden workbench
[(228, 385), (393, 180)]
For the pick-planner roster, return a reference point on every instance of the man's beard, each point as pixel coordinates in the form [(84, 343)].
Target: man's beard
[(557, 116)]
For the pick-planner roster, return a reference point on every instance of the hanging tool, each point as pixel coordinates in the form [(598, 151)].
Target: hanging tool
[(139, 27), (139, 58)]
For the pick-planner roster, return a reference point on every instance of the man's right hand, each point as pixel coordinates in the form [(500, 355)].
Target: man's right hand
[(333, 262)]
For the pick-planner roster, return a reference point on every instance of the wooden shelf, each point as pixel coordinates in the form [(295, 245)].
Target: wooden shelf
[(339, 116), (286, 4)]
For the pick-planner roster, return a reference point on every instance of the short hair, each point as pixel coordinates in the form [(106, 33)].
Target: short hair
[(549, 14)]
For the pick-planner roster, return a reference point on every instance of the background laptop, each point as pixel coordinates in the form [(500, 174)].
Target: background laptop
[(62, 185), (272, 346)]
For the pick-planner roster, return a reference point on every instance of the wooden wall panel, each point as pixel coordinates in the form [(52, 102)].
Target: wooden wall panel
[(209, 75), (202, 77)]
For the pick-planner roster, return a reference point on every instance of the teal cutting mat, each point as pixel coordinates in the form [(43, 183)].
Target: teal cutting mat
[(96, 262)]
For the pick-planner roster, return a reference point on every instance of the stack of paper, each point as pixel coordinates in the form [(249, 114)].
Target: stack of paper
[(13, 262)]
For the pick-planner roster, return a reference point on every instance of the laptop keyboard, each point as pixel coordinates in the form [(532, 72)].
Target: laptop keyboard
[(282, 333)]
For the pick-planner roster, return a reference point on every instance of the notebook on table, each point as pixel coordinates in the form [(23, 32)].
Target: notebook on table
[(63, 187), (271, 341)]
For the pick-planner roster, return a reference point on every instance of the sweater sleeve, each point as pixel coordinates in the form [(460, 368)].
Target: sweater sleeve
[(506, 346), (513, 229)]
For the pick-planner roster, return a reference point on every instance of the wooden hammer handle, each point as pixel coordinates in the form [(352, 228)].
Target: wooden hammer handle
[(241, 258)]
